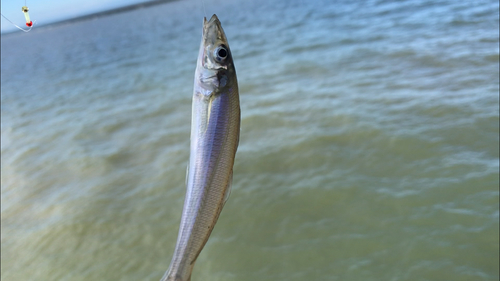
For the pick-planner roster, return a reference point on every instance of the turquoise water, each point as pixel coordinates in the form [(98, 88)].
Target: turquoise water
[(369, 145)]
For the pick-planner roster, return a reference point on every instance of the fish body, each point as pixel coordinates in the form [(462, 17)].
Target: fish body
[(215, 129)]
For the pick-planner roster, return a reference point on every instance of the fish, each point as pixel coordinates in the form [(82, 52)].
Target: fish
[(215, 132)]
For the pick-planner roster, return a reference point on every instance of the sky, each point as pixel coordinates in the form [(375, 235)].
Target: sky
[(44, 12)]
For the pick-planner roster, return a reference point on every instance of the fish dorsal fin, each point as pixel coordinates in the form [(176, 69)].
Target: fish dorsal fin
[(228, 188), (187, 174)]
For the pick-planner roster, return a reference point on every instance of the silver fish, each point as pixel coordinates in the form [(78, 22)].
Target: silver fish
[(215, 130)]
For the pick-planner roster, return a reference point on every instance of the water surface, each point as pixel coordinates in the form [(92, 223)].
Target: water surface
[(369, 145)]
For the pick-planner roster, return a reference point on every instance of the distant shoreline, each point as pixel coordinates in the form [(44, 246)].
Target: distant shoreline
[(103, 13)]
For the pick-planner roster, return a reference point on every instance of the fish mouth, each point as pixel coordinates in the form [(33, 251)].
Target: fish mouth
[(212, 20), (212, 31)]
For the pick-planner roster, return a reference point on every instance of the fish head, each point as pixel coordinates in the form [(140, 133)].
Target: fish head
[(215, 64)]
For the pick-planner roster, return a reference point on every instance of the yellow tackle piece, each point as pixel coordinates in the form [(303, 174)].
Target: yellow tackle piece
[(25, 10)]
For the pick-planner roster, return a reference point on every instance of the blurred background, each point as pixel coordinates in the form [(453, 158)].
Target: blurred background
[(369, 145)]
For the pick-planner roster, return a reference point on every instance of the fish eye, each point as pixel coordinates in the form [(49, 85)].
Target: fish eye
[(221, 53)]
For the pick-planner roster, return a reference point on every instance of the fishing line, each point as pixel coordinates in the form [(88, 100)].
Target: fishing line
[(203, 4), (29, 23)]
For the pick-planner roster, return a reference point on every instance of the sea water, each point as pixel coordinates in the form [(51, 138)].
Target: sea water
[(369, 145)]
